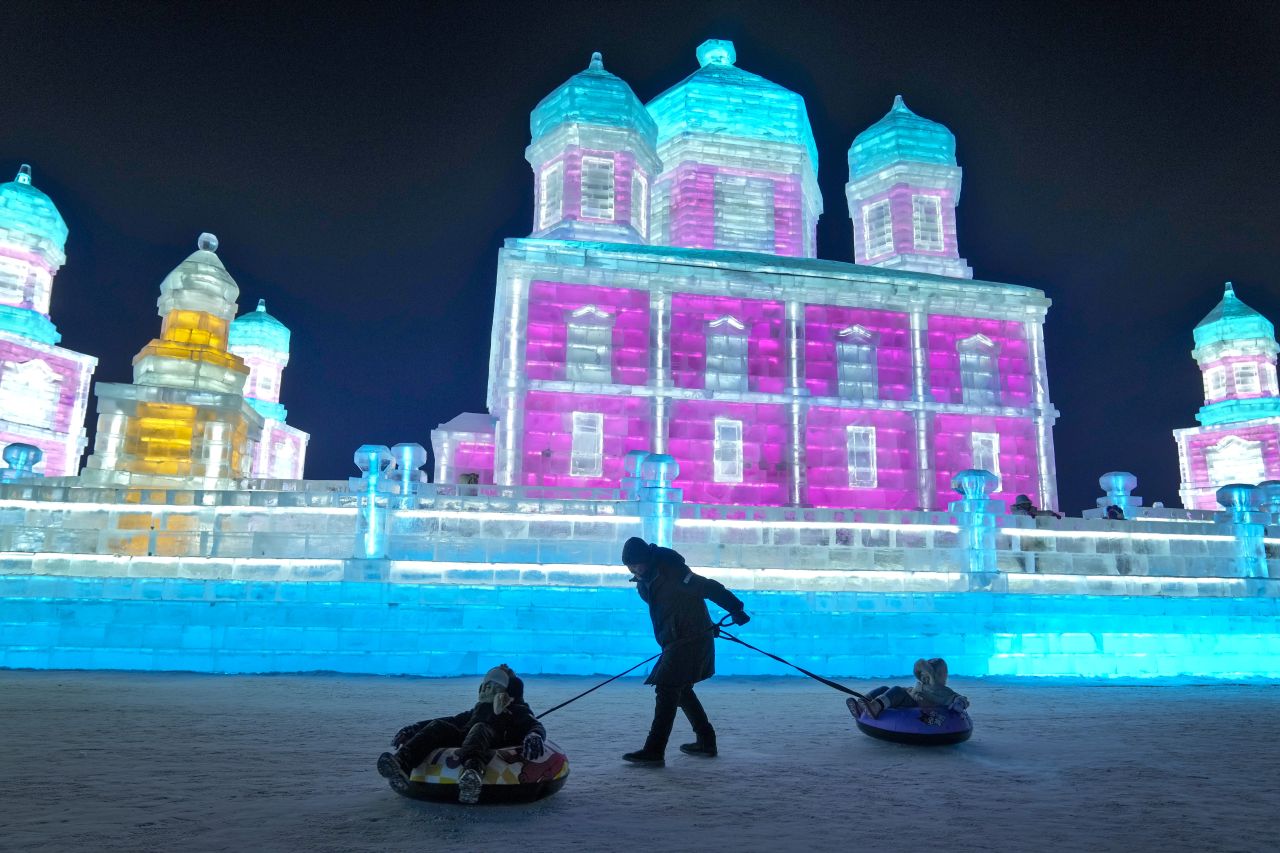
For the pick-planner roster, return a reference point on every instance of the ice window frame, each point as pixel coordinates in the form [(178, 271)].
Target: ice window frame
[(589, 345), (586, 451), (984, 454), (860, 455), (979, 371), (550, 195), (1215, 383), (640, 203), (30, 392), (1267, 372), (877, 238), (857, 364), (744, 216), (926, 223), (1235, 460), (727, 355), (597, 188), (726, 451), (1244, 374)]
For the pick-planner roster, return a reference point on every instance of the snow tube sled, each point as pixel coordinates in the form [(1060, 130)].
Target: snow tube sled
[(507, 779), (919, 726)]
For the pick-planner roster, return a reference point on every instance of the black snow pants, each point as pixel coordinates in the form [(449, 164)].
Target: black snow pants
[(476, 742), (664, 715)]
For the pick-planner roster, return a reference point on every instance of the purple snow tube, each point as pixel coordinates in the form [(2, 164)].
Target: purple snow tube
[(919, 726)]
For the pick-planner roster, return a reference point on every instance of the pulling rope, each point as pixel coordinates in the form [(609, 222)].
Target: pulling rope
[(726, 635)]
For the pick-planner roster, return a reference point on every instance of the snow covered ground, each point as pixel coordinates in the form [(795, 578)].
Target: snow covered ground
[(134, 761)]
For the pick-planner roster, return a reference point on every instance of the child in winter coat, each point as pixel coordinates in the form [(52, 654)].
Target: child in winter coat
[(930, 691), (500, 717)]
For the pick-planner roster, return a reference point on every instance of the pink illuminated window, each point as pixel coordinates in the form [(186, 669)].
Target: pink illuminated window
[(597, 188), (926, 222), (877, 228), (1246, 378), (1215, 383), (979, 371), (1236, 460), (727, 451), (984, 453), (640, 203), (857, 364), (551, 195), (586, 456), (744, 213), (860, 445)]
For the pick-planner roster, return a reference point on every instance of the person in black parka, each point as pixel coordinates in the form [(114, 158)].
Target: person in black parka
[(683, 628)]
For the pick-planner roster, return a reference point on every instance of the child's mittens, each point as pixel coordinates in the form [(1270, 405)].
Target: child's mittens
[(532, 747), (959, 704)]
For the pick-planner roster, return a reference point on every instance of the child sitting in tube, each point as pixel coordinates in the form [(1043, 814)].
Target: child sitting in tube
[(930, 691), (500, 717)]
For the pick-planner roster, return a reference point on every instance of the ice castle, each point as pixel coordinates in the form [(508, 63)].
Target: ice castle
[(44, 388), (669, 299), (836, 442)]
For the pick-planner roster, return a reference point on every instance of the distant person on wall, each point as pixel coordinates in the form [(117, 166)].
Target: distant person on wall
[(930, 691), (683, 628), (1024, 506), (499, 718)]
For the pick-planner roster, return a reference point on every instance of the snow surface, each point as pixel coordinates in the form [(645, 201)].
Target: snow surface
[(155, 761)]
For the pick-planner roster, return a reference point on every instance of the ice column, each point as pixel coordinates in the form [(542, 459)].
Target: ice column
[(1243, 520), (408, 459), (373, 486), (1269, 499), (659, 501), (22, 460), (976, 514), (1118, 487)]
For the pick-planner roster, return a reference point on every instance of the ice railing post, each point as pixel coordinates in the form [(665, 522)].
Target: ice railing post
[(1117, 487), (408, 459), (1269, 500), (976, 513), (658, 501), (632, 475), (1248, 524), (373, 486), (22, 460)]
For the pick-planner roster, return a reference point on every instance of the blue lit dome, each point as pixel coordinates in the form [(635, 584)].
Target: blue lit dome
[(259, 329), (593, 96), (720, 98), (31, 216), (1232, 320), (901, 136)]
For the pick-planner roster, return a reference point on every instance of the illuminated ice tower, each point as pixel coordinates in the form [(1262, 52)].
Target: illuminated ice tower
[(739, 163), (592, 153), (44, 389), (903, 188), (263, 342), (184, 422), (1238, 440)]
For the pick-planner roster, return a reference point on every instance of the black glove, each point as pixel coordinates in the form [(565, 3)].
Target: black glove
[(740, 618), (532, 746), (406, 734)]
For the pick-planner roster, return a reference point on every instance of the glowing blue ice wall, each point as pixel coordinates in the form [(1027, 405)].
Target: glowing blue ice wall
[(463, 629)]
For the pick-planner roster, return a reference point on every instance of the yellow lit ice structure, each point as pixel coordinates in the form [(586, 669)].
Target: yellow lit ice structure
[(184, 422)]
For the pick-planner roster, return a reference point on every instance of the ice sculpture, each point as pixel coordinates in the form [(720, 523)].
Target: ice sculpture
[(770, 377), (903, 188), (1238, 440), (262, 342), (184, 422), (739, 162), (44, 388)]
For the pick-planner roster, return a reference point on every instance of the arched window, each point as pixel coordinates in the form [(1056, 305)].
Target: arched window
[(726, 355), (856, 364), (589, 345), (979, 371)]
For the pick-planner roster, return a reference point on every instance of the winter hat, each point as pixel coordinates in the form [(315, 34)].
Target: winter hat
[(495, 686), (635, 551), (932, 671)]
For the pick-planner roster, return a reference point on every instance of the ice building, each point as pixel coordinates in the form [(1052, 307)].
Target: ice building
[(669, 299), (44, 388), (262, 342), (185, 421), (1238, 440)]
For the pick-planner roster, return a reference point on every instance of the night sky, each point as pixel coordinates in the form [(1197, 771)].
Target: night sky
[(361, 165)]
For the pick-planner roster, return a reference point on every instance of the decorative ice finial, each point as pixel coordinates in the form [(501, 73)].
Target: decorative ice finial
[(208, 242), (24, 174), (716, 52), (898, 103), (262, 305), (1228, 290), (597, 62)]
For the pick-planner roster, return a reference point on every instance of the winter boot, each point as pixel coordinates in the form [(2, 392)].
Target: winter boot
[(391, 766), (705, 745), (645, 756), (469, 783)]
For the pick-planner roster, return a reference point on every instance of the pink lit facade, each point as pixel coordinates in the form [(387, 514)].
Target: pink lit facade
[(44, 388), (670, 300)]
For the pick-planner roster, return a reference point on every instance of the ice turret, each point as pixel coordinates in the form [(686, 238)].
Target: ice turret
[(739, 162), (44, 389), (904, 185), (263, 342), (592, 153)]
